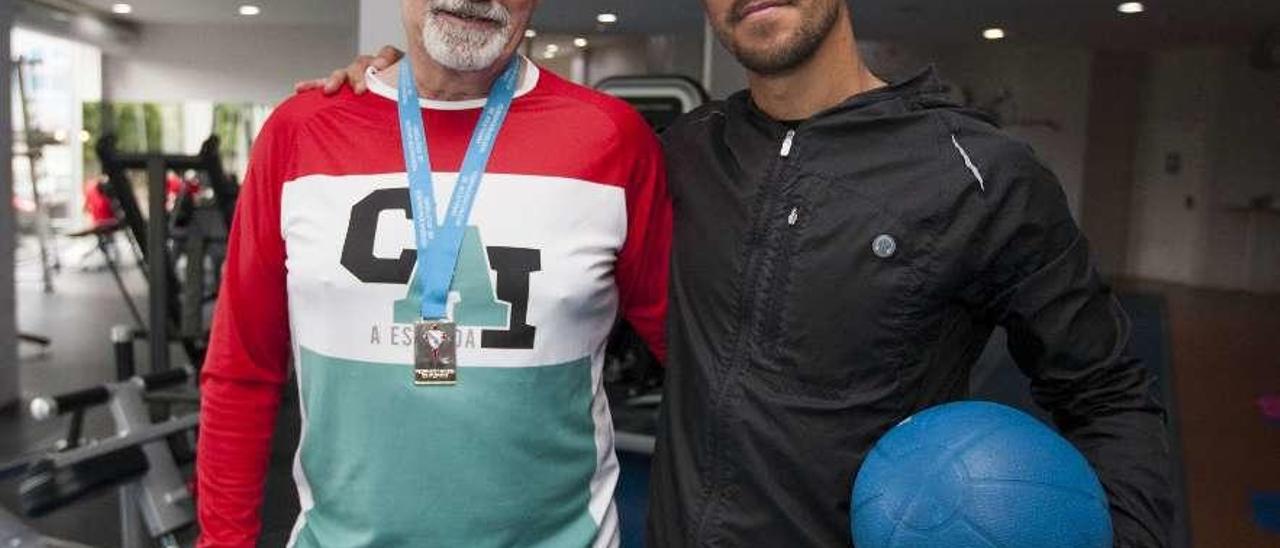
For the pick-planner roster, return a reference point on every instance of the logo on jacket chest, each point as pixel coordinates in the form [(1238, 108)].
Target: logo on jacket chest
[(491, 312)]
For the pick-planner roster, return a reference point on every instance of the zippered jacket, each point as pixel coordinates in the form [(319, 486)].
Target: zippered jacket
[(833, 277)]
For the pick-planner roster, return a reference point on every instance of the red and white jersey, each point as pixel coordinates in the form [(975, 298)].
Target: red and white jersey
[(570, 227)]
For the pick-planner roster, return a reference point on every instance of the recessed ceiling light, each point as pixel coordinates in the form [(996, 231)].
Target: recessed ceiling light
[(121, 9), (580, 42), (607, 18), (250, 9), (993, 34), (530, 33), (1131, 7), (553, 49)]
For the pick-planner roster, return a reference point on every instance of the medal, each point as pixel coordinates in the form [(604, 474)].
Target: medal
[(435, 341), (435, 353)]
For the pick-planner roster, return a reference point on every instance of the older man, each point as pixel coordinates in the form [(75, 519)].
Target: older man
[(446, 312)]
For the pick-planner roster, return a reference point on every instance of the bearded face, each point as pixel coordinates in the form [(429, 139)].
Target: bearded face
[(773, 36), (468, 35)]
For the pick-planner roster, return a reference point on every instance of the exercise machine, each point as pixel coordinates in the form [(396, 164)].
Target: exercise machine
[(105, 233), (156, 506), (175, 311), (37, 340), (15, 534), (659, 99), (34, 142)]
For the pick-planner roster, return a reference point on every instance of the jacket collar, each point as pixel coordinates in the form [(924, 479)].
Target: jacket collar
[(923, 90)]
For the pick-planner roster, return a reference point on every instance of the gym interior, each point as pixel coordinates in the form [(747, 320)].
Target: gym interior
[(126, 129)]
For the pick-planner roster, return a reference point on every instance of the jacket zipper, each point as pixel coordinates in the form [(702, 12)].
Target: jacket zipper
[(717, 486)]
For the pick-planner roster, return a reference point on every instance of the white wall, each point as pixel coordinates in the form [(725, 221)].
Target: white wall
[(676, 54), (618, 56), (1048, 87), (1222, 119), (380, 25), (1168, 208), (224, 63), (1246, 139), (8, 306), (657, 54), (1245, 157), (725, 74)]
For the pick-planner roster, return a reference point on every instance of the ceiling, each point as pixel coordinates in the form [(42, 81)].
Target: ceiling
[(1096, 23), (274, 12), (1092, 22), (636, 16), (572, 16)]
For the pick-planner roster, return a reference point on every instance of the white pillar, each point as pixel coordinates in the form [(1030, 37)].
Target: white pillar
[(380, 25), (721, 73), (578, 68), (8, 305)]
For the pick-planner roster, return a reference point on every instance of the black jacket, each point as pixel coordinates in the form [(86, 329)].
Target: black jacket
[(830, 282)]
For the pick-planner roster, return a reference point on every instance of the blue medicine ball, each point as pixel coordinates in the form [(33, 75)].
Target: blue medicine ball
[(977, 474)]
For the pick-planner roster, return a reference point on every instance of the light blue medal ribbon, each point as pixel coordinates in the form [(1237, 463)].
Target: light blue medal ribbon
[(438, 246)]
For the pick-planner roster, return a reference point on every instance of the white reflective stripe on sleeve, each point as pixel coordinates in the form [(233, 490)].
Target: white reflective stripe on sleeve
[(968, 162)]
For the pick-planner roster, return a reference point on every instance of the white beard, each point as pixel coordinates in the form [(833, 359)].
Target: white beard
[(463, 49)]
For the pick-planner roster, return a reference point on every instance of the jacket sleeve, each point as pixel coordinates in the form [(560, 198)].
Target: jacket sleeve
[(643, 262), (247, 361), (1068, 333)]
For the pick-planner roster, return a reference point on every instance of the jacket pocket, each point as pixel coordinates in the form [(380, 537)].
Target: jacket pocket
[(853, 288)]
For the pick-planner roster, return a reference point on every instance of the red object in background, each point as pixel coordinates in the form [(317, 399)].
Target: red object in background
[(96, 202), (176, 185), (23, 205), (173, 184), (1270, 407)]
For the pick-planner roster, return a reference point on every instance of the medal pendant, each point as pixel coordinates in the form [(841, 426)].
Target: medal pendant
[(435, 353)]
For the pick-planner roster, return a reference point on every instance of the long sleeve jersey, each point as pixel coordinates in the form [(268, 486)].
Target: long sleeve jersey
[(571, 227)]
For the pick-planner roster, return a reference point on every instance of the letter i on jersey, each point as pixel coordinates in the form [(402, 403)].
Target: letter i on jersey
[(435, 360)]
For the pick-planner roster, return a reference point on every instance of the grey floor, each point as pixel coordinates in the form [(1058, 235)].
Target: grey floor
[(78, 317)]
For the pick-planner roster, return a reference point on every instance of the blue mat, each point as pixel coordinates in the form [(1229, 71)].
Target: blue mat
[(633, 497), (1266, 511)]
